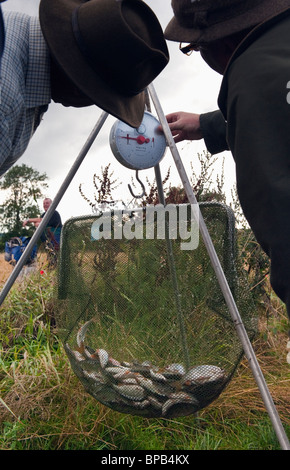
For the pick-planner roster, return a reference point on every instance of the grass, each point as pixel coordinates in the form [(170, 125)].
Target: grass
[(43, 406)]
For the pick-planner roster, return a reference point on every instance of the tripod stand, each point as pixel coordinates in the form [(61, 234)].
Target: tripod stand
[(235, 315)]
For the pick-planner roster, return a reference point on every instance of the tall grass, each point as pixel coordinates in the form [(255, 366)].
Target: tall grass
[(44, 406)]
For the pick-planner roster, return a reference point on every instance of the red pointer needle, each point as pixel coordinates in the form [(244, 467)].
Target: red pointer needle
[(140, 139)]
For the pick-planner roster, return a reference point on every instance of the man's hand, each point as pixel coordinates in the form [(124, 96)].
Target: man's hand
[(184, 126)]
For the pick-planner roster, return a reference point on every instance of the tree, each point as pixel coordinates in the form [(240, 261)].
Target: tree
[(24, 186)]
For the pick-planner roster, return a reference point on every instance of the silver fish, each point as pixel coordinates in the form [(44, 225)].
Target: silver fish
[(119, 373), (73, 353), (174, 372), (157, 388), (98, 378), (81, 334), (141, 405), (147, 364), (89, 365), (133, 392), (126, 364), (155, 403), (179, 399), (74, 361), (126, 375), (130, 381), (105, 394), (184, 397), (203, 374), (157, 376), (148, 385), (114, 362), (102, 356), (117, 370), (138, 368)]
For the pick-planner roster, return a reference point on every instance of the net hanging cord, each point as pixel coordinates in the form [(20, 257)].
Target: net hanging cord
[(173, 273), (238, 323), (170, 257)]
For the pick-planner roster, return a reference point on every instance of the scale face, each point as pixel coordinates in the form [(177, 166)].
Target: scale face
[(140, 148)]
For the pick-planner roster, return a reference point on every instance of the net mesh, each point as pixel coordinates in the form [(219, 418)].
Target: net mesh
[(148, 333)]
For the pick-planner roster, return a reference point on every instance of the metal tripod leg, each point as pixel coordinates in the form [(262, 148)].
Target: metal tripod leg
[(13, 276), (240, 328), (171, 257)]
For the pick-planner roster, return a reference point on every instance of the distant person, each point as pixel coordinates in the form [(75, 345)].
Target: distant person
[(99, 52), (53, 228)]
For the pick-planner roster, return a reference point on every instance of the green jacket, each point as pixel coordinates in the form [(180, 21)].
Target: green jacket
[(255, 103)]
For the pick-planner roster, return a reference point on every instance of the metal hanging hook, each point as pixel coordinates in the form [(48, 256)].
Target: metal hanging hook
[(142, 185)]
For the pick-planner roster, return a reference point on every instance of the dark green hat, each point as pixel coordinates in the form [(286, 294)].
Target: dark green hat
[(204, 21), (110, 49)]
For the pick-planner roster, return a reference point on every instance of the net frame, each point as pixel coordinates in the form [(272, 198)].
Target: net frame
[(147, 384)]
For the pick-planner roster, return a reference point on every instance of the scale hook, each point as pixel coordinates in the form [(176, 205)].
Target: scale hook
[(142, 185)]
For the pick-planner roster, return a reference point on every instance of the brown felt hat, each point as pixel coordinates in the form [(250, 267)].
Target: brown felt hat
[(110, 49), (204, 21)]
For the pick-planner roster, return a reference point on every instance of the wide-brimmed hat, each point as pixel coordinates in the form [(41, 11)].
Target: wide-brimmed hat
[(205, 21), (110, 49)]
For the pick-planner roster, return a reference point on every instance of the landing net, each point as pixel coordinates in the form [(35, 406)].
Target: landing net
[(143, 335)]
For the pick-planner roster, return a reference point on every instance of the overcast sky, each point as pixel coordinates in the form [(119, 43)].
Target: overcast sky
[(186, 84)]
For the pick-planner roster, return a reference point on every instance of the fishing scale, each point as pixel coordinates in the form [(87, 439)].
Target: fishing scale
[(138, 148)]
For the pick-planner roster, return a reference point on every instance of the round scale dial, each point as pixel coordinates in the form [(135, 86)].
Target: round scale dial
[(138, 148)]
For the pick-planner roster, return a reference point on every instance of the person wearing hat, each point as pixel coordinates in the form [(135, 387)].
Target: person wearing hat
[(248, 42), (77, 53)]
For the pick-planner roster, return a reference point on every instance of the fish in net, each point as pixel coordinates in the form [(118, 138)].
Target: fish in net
[(146, 336)]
